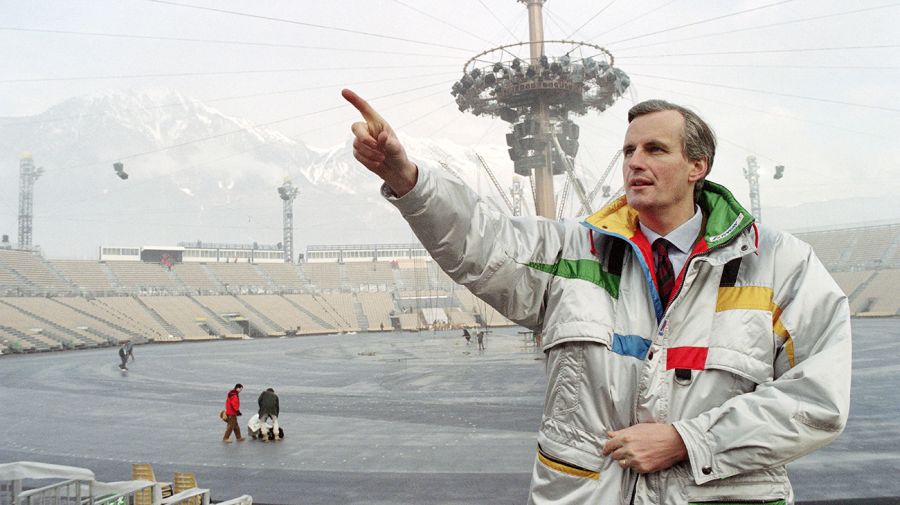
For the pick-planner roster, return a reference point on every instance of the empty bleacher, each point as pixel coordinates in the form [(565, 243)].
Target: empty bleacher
[(324, 275), (377, 307), (240, 277), (33, 270), (368, 274), (284, 313), (87, 275), (83, 330), (143, 277), (879, 296), (231, 309), (187, 316), (196, 278), (286, 276)]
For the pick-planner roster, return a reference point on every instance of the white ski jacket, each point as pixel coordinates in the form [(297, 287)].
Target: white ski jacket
[(750, 361)]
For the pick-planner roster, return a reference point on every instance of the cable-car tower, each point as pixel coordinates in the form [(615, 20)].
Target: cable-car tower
[(536, 97)]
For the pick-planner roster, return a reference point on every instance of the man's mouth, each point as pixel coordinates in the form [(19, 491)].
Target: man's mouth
[(637, 183)]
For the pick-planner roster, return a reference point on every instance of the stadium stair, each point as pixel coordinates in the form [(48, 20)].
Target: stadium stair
[(361, 318), (136, 338), (265, 318), (25, 285), (36, 345), (231, 326), (220, 287), (113, 280), (66, 337), (321, 322), (272, 285), (851, 297), (175, 332), (59, 276)]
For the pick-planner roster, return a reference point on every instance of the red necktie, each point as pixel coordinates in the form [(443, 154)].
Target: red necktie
[(665, 275)]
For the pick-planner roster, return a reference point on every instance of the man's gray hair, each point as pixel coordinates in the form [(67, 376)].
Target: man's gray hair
[(698, 141)]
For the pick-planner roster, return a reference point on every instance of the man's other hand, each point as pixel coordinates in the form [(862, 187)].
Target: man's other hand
[(646, 447), (377, 147)]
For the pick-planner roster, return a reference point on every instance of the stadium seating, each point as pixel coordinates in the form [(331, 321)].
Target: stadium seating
[(69, 304)]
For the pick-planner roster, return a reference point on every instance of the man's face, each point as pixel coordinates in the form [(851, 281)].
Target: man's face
[(658, 178)]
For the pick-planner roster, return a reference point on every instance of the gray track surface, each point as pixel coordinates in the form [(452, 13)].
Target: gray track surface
[(369, 418)]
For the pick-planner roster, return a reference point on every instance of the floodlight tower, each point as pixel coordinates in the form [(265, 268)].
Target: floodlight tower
[(288, 192), (751, 173), (537, 96), (27, 175)]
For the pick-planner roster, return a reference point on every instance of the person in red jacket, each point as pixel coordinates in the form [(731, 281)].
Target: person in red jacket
[(232, 410)]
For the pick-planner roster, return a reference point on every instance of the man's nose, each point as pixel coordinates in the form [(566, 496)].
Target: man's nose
[(636, 160)]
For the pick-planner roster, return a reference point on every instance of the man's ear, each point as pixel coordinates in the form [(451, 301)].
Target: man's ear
[(698, 170)]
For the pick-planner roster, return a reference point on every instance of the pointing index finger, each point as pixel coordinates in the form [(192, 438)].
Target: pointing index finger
[(368, 113)]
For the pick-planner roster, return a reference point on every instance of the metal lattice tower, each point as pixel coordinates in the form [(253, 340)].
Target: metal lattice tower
[(27, 175), (288, 192), (537, 96), (751, 173), (517, 193)]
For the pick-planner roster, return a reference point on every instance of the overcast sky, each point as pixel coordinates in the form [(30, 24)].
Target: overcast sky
[(810, 84)]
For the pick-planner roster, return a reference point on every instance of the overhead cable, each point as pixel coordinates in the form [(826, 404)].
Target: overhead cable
[(309, 25), (224, 72), (513, 35), (758, 51), (236, 97), (768, 92), (607, 6), (695, 23), (760, 27), (442, 21), (642, 15), (217, 41)]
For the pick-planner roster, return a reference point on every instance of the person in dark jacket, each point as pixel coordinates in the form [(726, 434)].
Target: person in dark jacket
[(232, 410), (268, 409)]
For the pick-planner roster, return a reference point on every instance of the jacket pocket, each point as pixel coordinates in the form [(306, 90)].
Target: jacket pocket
[(555, 480), (738, 502), (567, 468)]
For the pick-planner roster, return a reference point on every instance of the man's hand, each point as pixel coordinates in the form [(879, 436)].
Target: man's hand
[(646, 447), (376, 146)]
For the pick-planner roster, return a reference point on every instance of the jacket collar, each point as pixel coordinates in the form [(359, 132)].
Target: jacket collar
[(725, 217)]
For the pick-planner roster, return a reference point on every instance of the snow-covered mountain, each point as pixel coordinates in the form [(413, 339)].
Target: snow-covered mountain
[(195, 174), (199, 174)]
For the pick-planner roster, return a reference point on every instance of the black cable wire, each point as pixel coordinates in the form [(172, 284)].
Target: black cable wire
[(217, 41), (742, 105), (695, 23), (768, 92), (439, 20), (310, 25), (602, 9), (237, 97), (224, 72), (760, 27), (759, 51), (513, 35), (752, 65), (642, 15)]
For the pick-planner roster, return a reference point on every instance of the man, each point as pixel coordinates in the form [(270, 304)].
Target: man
[(684, 370), (126, 351), (232, 411), (268, 409)]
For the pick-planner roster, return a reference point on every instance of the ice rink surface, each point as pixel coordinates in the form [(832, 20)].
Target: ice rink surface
[(388, 418)]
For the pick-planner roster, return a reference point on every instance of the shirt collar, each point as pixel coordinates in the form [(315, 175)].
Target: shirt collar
[(682, 237)]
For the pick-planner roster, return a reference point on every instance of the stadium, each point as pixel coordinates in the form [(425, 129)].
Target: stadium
[(384, 321), (154, 270)]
